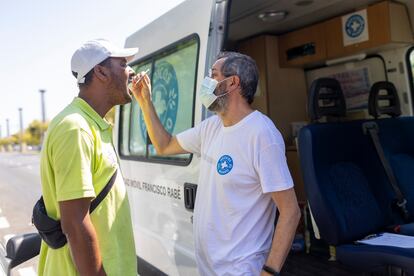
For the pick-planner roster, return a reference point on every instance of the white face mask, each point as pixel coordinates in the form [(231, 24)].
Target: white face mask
[(208, 86)]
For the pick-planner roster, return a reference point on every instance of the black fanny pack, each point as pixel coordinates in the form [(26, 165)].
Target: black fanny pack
[(49, 229)]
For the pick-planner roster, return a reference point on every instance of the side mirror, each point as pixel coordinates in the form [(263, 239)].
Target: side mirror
[(22, 248)]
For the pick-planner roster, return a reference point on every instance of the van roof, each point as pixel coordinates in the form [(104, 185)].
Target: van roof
[(244, 21)]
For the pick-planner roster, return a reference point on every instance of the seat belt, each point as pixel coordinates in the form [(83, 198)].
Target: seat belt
[(371, 128)]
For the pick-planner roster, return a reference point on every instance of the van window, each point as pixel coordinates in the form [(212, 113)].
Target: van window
[(173, 77), (356, 79)]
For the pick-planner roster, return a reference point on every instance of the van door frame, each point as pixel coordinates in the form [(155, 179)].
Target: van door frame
[(219, 25)]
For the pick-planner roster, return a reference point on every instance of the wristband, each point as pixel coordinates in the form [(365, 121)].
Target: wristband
[(270, 270)]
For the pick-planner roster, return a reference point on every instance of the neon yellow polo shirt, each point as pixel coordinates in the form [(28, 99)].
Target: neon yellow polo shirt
[(77, 161)]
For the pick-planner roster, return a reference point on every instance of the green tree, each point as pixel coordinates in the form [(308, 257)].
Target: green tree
[(33, 134), (8, 141)]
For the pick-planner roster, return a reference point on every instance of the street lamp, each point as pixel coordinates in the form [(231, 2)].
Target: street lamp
[(42, 102), (21, 128), (7, 128)]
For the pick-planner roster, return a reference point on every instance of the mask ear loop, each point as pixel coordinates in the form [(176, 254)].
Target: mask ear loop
[(222, 95)]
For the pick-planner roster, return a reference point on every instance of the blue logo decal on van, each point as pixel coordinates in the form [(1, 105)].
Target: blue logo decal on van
[(355, 25), (164, 96), (224, 165)]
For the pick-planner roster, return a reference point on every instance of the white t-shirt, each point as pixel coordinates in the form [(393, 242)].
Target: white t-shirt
[(234, 212)]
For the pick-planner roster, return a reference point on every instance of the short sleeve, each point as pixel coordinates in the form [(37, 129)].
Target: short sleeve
[(190, 139), (272, 169), (72, 155)]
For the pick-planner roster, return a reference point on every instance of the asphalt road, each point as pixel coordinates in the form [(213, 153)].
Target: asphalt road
[(19, 190)]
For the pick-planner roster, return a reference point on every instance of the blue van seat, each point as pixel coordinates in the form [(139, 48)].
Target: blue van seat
[(362, 256), (396, 136), (348, 192), (339, 181)]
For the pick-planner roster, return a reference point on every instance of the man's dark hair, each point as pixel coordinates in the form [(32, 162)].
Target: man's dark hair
[(245, 68), (88, 77)]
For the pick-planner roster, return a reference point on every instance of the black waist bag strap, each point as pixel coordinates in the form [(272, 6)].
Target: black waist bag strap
[(49, 229), (372, 129), (95, 202)]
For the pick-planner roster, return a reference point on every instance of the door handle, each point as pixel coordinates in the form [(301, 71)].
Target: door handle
[(190, 192)]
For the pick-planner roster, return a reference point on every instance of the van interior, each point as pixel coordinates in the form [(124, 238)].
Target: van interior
[(344, 107)]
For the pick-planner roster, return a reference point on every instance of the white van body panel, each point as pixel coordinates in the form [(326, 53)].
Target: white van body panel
[(162, 225)]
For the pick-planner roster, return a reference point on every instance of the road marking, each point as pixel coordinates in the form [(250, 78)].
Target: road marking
[(27, 271), (4, 223), (6, 238)]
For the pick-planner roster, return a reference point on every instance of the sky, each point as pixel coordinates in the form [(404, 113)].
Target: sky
[(38, 38)]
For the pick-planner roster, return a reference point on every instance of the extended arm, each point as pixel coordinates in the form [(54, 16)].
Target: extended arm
[(164, 143)]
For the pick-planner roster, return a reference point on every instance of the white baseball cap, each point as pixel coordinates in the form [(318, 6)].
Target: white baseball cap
[(94, 52)]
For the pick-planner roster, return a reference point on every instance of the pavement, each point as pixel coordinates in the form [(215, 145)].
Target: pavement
[(19, 190)]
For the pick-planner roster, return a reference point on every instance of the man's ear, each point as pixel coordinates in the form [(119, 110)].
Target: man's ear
[(102, 73), (235, 81)]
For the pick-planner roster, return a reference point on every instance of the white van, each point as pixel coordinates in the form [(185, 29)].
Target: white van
[(293, 42)]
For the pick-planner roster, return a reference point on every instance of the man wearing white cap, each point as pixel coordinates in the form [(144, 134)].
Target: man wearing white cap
[(78, 160)]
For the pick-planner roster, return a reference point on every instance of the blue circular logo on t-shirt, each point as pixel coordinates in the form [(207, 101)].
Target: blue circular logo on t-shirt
[(355, 25), (164, 96), (224, 165)]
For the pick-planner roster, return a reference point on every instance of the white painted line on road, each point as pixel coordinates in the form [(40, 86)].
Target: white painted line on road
[(4, 223), (8, 237), (27, 271)]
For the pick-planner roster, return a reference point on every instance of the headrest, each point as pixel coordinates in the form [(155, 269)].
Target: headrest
[(326, 99), (384, 103)]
